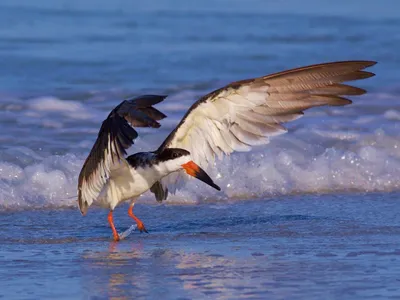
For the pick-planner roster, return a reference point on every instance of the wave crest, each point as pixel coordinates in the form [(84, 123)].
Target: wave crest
[(301, 162)]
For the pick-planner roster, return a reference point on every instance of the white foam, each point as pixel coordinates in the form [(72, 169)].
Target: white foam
[(49, 182), (54, 104), (357, 149), (392, 114), (72, 109), (278, 169)]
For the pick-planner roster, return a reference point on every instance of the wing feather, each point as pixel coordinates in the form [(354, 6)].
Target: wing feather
[(246, 113), (159, 191), (115, 136)]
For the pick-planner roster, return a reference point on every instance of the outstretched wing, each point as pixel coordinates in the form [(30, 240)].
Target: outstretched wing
[(246, 113), (116, 135)]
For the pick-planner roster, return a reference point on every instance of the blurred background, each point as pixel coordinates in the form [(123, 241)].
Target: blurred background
[(66, 64), (67, 47)]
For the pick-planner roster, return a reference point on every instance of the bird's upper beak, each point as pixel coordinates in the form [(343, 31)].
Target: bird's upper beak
[(194, 170)]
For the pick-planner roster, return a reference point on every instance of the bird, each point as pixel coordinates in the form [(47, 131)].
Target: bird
[(236, 117)]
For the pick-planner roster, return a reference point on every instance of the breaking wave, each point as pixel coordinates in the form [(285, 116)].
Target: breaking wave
[(330, 150)]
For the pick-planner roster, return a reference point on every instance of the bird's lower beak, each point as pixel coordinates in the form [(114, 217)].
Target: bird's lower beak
[(194, 170)]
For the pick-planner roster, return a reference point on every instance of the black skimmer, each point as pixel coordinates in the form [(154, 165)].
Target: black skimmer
[(233, 118)]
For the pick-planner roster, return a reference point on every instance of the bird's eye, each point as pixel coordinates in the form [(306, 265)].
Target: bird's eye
[(174, 155)]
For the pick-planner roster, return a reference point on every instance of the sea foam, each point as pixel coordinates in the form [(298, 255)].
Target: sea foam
[(285, 166), (330, 150)]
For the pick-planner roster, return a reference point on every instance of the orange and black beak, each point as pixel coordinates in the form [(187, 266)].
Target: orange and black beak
[(194, 170)]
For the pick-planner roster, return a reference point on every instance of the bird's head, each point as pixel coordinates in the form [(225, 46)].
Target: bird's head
[(176, 159)]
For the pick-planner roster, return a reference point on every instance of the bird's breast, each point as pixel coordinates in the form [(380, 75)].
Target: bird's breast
[(127, 183)]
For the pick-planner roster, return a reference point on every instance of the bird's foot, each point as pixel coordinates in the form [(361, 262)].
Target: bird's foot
[(139, 223), (141, 227), (111, 222), (116, 237)]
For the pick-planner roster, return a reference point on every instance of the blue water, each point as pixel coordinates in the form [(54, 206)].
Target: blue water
[(63, 47), (312, 215), (303, 247)]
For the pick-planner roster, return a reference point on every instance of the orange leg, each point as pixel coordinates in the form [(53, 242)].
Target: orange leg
[(139, 223), (110, 220)]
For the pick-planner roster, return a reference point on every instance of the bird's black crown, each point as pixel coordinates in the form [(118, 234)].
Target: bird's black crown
[(171, 153)]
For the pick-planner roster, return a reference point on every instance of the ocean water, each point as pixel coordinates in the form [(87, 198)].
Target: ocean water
[(310, 215)]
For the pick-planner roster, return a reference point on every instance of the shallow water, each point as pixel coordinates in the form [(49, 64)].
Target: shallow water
[(301, 247), (311, 215)]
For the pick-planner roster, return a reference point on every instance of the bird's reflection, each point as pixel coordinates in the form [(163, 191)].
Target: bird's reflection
[(160, 268), (115, 273)]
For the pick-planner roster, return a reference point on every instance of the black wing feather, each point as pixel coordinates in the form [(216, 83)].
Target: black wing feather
[(159, 192), (115, 136)]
